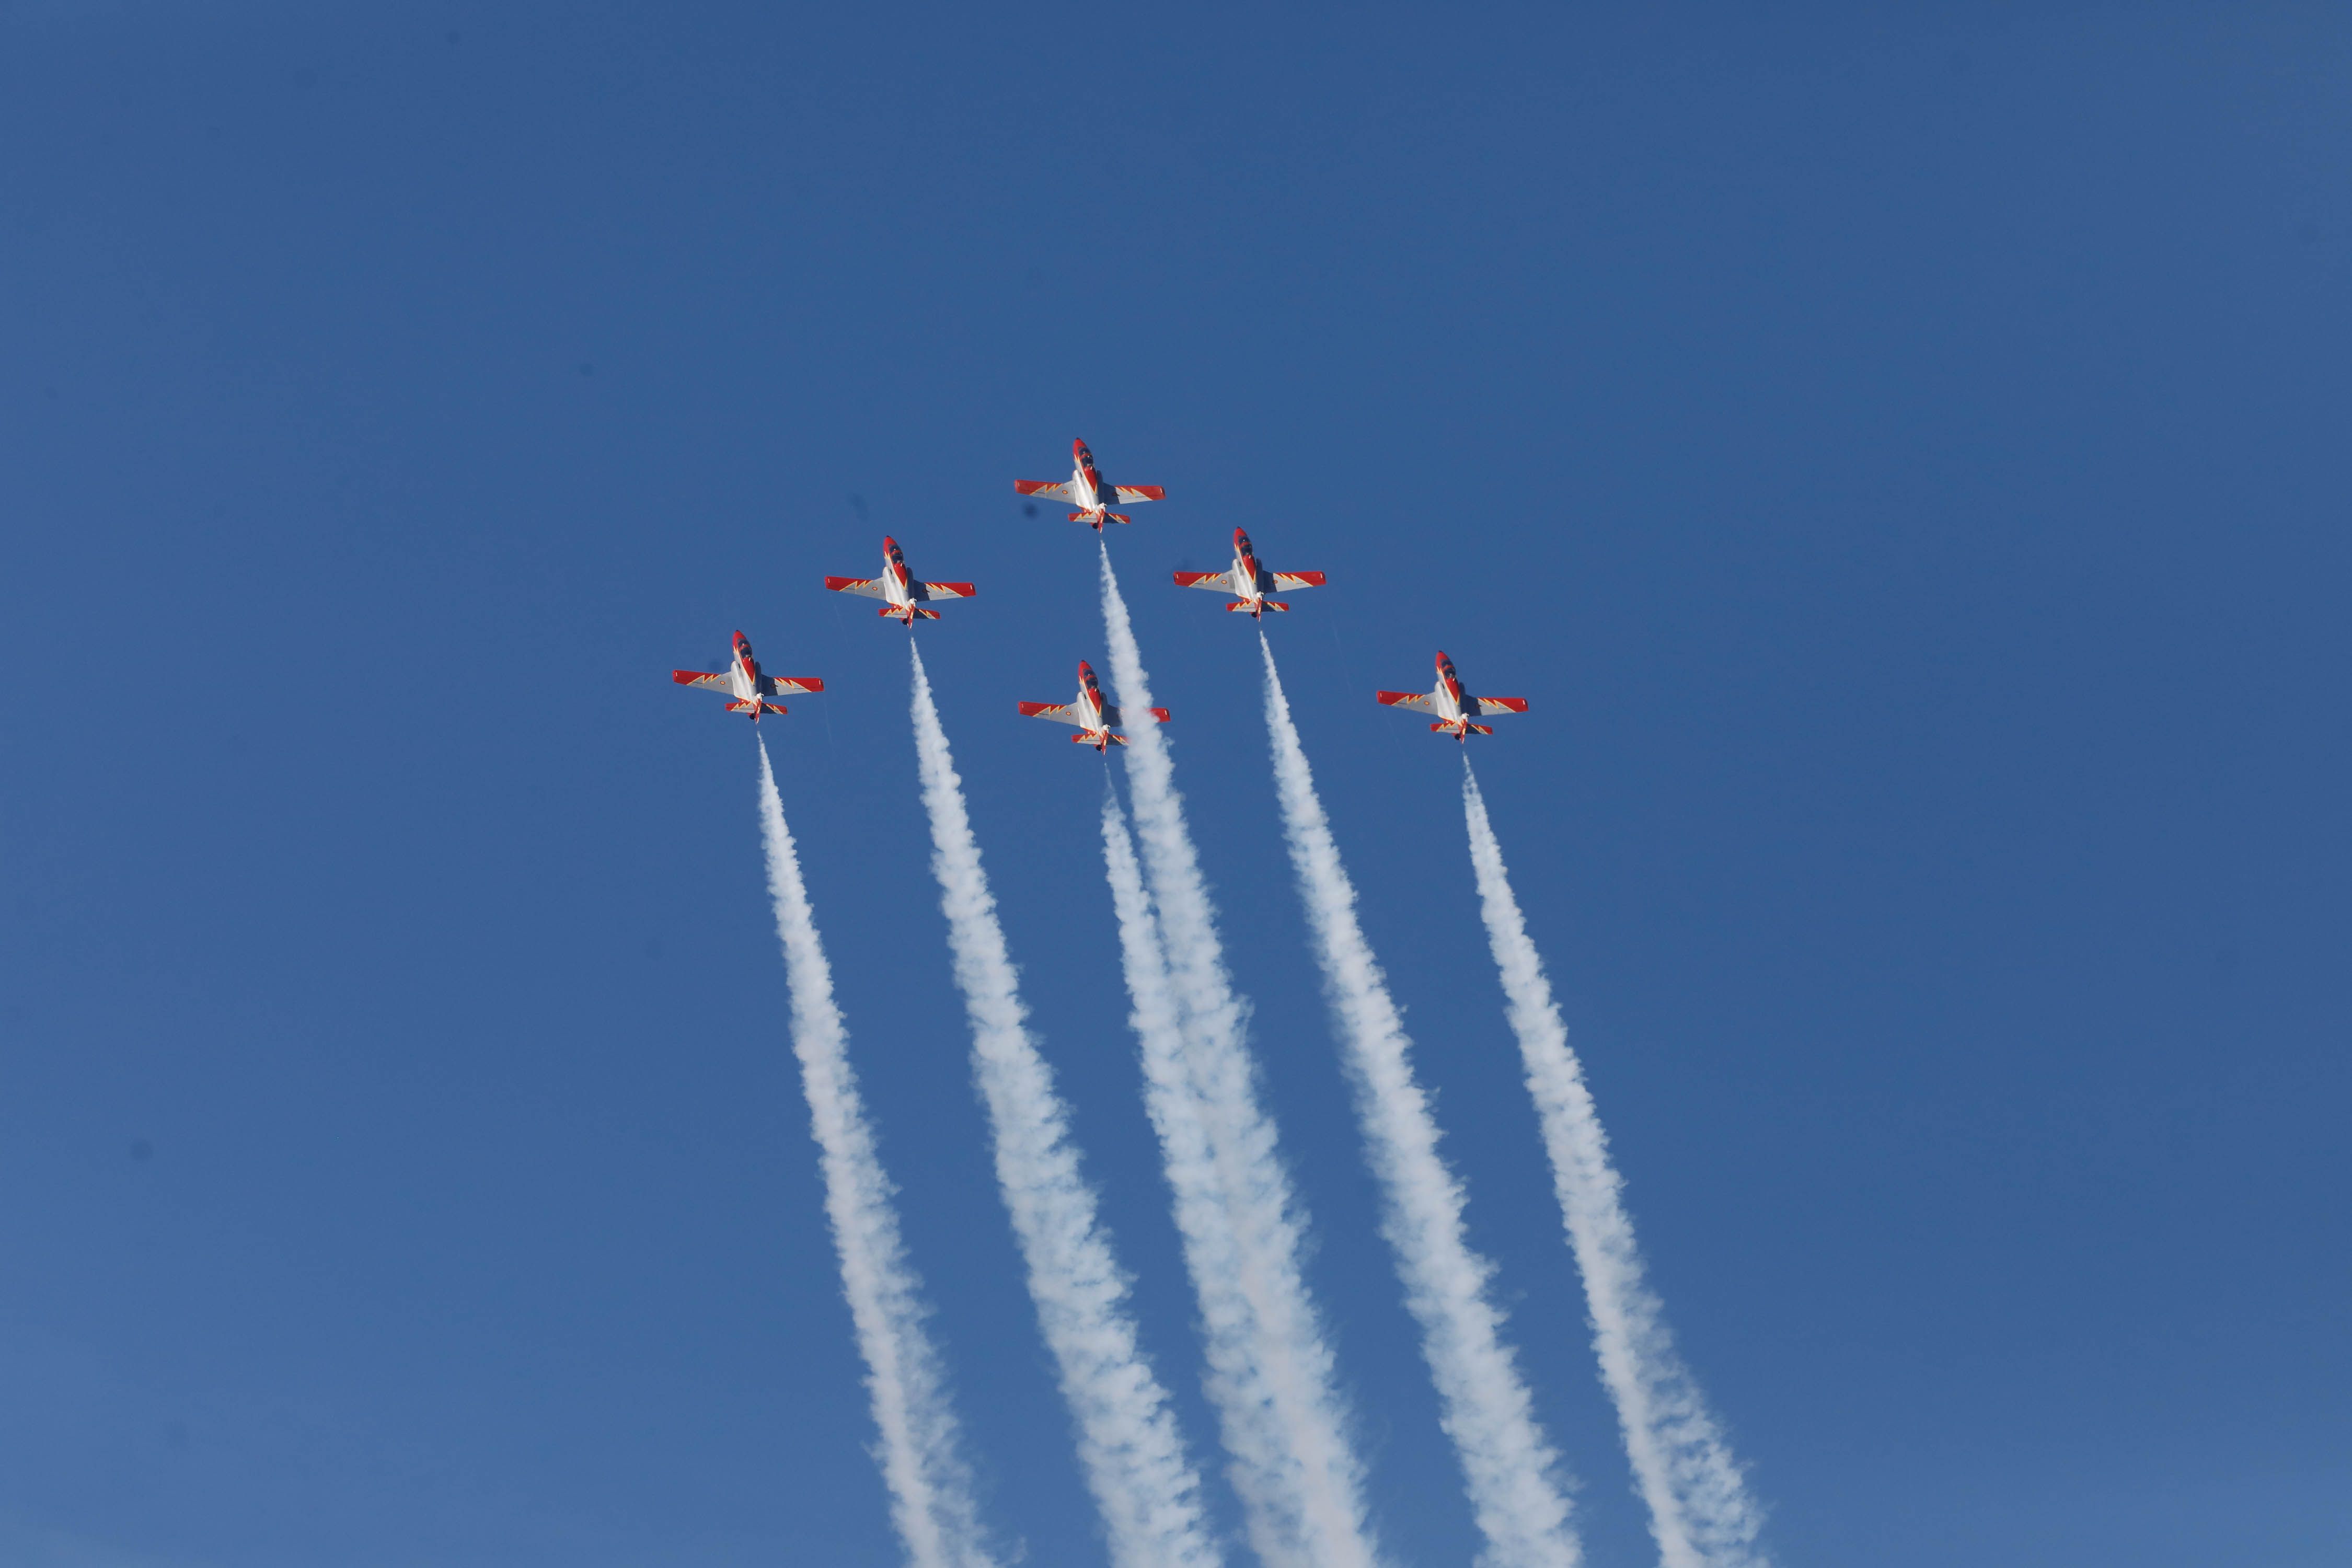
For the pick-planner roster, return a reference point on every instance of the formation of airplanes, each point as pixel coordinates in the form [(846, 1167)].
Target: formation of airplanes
[(1246, 584)]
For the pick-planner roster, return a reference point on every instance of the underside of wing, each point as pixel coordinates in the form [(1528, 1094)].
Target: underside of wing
[(699, 677), (1059, 712), (1047, 489), (1297, 579), (775, 685), (1114, 716), (1141, 493), (945, 590), (871, 587), (1487, 705), (1420, 701), (1215, 581)]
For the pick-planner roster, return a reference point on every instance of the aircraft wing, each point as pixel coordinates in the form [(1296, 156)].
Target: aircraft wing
[(871, 587), (1132, 493), (779, 685), (699, 677), (1215, 581), (1422, 702), (944, 590), (1113, 716), (1051, 491), (1486, 705), (1296, 579), (1059, 712)]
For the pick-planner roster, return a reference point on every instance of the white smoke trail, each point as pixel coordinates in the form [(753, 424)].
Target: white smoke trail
[(922, 1465), (1700, 1510), (1202, 1213), (1516, 1492), (1134, 1459), (1270, 1366)]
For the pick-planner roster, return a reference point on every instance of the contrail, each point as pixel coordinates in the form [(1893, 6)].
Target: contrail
[(1211, 1247), (1270, 1366), (922, 1464), (1516, 1489), (1700, 1510), (1143, 1484)]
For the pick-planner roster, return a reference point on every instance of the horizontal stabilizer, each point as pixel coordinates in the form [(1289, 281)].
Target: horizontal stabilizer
[(757, 708)]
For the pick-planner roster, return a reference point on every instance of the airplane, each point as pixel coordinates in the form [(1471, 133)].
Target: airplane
[(901, 596), (1092, 719), (1085, 489), (1249, 580), (750, 688), (1455, 708)]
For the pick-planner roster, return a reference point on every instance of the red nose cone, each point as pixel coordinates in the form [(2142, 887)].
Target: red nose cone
[(1442, 660), (1077, 447), (743, 642), (1241, 541), (1085, 670), (889, 544)]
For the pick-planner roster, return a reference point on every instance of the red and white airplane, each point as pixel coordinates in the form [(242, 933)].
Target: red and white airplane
[(1089, 713), (1084, 490), (1454, 707), (742, 677), (901, 596), (1248, 580)]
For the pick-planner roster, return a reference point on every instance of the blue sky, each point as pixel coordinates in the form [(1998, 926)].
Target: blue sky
[(1900, 458)]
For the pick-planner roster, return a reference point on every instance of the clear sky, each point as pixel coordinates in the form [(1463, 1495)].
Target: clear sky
[(1901, 457)]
